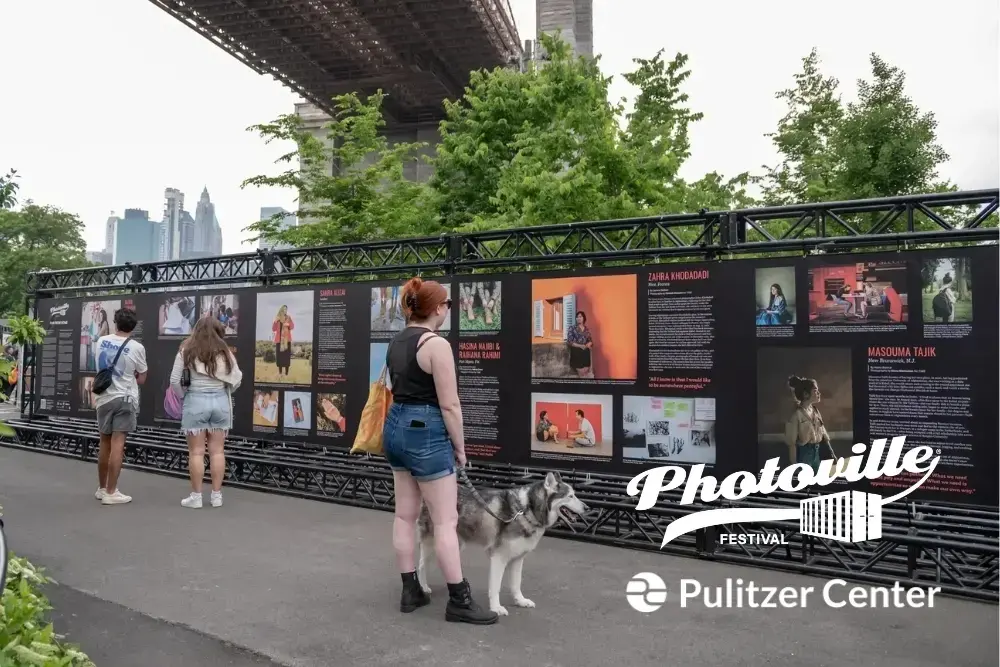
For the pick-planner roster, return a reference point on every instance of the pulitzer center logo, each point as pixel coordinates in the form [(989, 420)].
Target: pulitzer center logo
[(848, 516), (646, 592)]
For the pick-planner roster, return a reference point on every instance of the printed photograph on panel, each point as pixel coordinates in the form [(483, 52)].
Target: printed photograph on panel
[(805, 404), (225, 308), (284, 340), (298, 410), (97, 319), (330, 409), (584, 327), (946, 290), (387, 308), (88, 399), (578, 424), (177, 315), (775, 293), (669, 429), (479, 306), (265, 408), (859, 293)]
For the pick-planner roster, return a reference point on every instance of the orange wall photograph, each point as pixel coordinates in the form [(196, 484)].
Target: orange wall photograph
[(563, 415), (609, 303)]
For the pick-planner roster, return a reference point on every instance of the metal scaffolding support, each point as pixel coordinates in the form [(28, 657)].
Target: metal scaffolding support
[(923, 544), (825, 227)]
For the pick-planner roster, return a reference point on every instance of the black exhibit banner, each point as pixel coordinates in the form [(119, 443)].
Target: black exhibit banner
[(726, 363)]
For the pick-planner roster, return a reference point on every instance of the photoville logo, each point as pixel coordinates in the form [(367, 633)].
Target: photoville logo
[(849, 516)]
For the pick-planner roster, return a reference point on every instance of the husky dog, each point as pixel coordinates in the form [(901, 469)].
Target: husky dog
[(534, 508)]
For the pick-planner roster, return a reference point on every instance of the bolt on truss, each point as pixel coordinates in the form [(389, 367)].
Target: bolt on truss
[(827, 227), (923, 544)]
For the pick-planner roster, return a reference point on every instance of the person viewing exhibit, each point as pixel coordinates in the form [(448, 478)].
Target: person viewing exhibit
[(118, 405), (205, 373), (423, 437)]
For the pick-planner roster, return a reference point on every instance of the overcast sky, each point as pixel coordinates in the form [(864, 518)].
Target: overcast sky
[(104, 103)]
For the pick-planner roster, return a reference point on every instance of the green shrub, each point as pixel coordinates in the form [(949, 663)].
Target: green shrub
[(26, 638)]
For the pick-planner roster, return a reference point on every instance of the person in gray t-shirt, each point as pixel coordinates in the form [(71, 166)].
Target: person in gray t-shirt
[(118, 406)]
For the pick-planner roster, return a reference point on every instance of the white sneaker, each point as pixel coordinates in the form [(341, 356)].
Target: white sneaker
[(116, 498), (216, 499), (193, 501), (100, 493)]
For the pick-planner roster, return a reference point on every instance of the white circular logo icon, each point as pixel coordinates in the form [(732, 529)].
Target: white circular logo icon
[(646, 592)]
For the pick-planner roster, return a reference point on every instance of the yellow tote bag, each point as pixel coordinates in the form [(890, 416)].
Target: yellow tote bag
[(369, 437)]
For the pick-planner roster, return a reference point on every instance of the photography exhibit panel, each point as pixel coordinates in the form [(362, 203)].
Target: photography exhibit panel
[(725, 364)]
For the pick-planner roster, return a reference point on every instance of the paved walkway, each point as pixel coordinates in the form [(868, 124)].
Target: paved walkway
[(313, 584)]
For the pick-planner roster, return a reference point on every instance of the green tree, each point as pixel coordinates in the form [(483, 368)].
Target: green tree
[(885, 145), (809, 167), (545, 146), (8, 190), (882, 145), (350, 181), (36, 238)]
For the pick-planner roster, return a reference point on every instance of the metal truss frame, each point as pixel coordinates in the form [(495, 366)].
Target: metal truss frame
[(894, 222), (923, 544)]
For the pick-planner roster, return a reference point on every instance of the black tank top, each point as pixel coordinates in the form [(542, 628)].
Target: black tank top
[(410, 383)]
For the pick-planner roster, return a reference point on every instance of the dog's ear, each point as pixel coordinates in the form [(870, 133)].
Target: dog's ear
[(557, 476), (551, 482)]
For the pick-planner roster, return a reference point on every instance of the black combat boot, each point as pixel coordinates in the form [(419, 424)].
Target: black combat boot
[(413, 596), (463, 609)]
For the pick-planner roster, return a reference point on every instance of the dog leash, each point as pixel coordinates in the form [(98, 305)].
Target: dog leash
[(465, 480)]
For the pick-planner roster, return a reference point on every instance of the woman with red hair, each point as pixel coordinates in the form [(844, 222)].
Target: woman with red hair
[(422, 440)]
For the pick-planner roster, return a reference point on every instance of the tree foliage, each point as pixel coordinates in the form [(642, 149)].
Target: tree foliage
[(34, 238), (349, 180), (546, 145), (882, 145), (8, 190)]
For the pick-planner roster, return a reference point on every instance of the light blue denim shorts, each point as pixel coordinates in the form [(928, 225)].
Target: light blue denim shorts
[(207, 411)]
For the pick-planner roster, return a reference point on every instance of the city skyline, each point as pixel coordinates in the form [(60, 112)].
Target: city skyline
[(137, 154)]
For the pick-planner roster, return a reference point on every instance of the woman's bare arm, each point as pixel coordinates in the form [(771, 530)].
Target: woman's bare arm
[(438, 355)]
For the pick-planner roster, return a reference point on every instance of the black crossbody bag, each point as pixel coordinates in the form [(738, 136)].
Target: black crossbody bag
[(104, 377)]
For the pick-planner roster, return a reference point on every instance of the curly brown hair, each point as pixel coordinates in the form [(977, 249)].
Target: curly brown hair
[(206, 343)]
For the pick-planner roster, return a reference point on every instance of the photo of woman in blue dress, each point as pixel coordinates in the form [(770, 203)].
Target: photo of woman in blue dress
[(777, 309)]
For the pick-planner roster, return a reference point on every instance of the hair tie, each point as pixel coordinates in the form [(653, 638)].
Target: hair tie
[(411, 300)]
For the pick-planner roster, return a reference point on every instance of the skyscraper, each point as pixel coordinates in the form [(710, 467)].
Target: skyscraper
[(137, 238), (287, 222), (110, 229), (188, 244), (170, 236), (207, 232)]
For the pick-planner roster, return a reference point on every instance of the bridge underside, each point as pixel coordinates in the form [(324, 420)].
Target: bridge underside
[(419, 52)]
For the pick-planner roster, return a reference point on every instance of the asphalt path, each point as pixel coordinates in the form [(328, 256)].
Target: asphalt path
[(313, 584)]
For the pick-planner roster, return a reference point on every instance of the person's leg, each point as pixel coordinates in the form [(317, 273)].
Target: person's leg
[(196, 469), (103, 456), (441, 496), (217, 461), (123, 419), (404, 537)]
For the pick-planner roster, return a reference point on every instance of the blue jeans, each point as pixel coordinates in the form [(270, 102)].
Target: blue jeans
[(209, 410), (425, 451)]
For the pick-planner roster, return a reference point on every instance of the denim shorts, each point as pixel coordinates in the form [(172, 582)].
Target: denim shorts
[(207, 411), (424, 451)]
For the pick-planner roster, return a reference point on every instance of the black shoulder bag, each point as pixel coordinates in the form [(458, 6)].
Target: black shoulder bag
[(104, 377)]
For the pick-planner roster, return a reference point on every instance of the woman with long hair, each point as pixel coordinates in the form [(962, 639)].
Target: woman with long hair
[(776, 311), (282, 328), (422, 440), (208, 403)]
